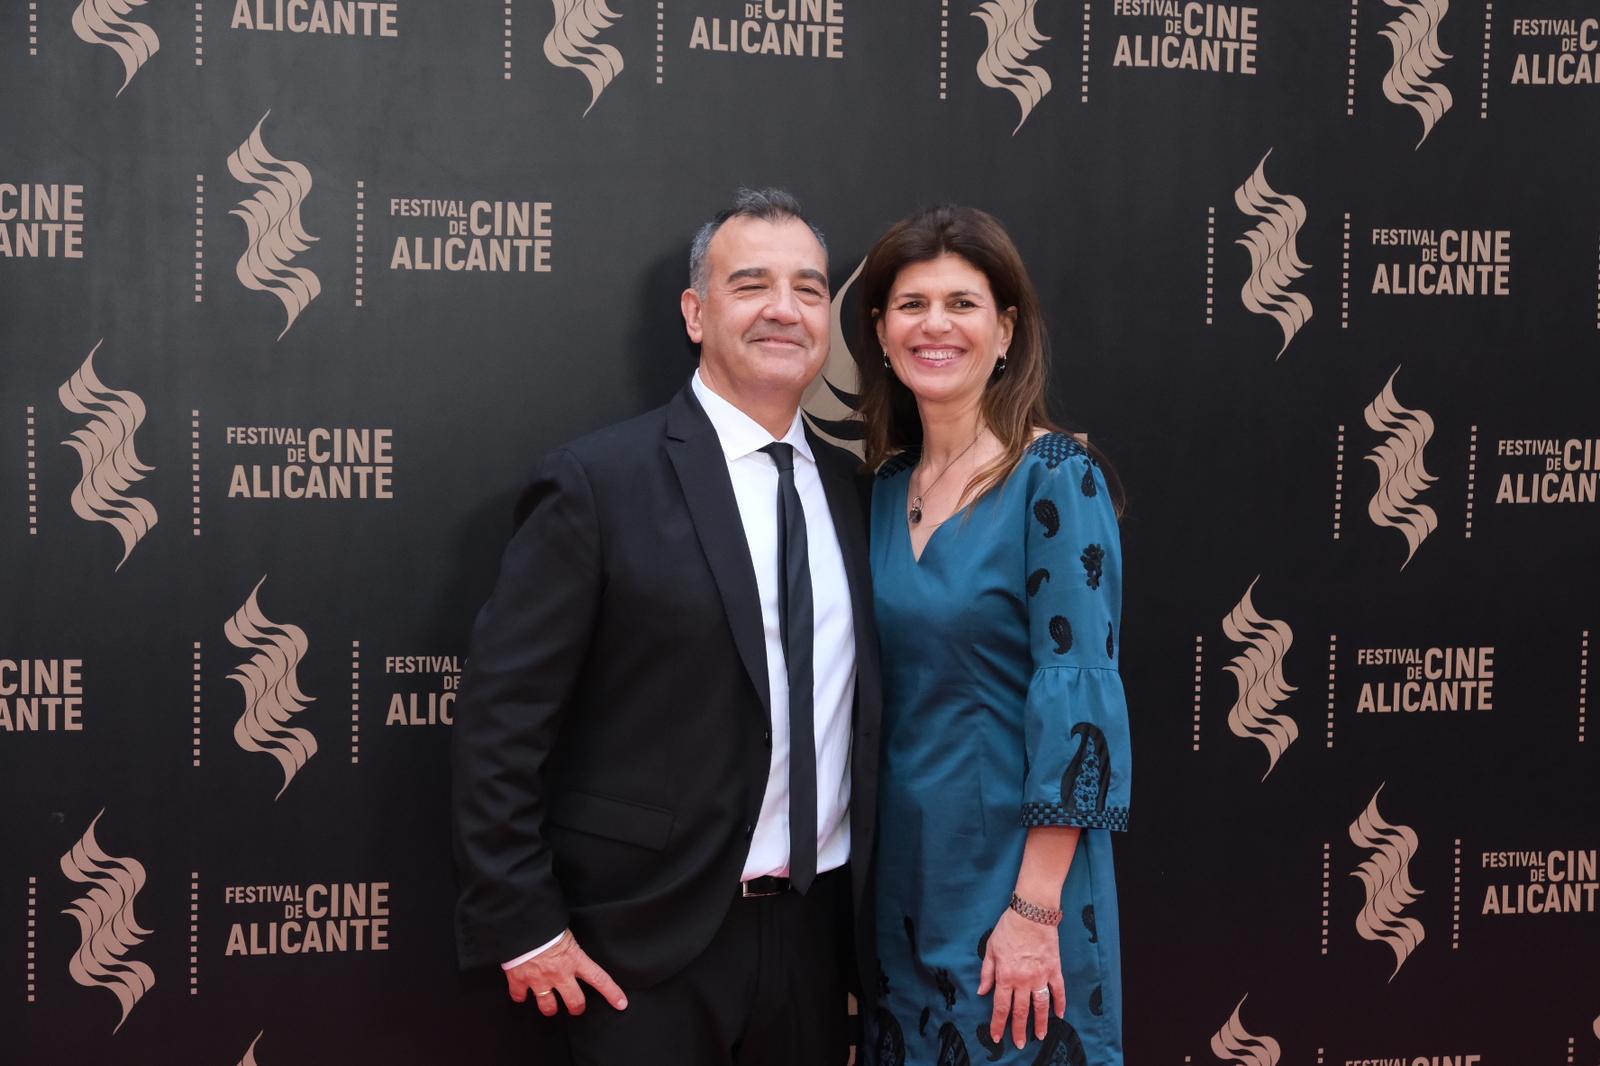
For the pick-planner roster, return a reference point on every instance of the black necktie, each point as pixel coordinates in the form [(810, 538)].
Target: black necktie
[(795, 625)]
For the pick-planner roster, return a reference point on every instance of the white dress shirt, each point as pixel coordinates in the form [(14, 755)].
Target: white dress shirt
[(755, 487)]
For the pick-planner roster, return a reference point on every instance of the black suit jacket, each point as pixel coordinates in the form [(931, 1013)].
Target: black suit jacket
[(611, 738)]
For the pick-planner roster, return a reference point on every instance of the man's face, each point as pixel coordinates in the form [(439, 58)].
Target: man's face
[(762, 326)]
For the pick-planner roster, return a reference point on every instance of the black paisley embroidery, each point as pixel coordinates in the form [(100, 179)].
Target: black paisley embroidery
[(891, 1040), (1036, 579), (1092, 558), (1045, 511), (983, 941), (1061, 633), (1062, 1046), (1111, 643), (1089, 487), (1097, 1004), (1088, 776), (1088, 923), (952, 1049), (989, 1043), (947, 987), (922, 1021)]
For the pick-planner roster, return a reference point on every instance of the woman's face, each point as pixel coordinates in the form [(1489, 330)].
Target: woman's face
[(942, 329)]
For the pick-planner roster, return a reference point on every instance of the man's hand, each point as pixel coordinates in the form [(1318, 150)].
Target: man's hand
[(556, 972)]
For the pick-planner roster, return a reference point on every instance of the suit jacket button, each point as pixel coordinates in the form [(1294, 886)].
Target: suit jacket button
[(767, 736), (749, 830)]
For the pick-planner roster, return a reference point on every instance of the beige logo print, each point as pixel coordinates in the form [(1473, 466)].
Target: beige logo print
[(571, 43), (1013, 37), (1414, 40), (106, 922), (1401, 476), (1386, 876), (272, 695), (250, 1052), (272, 223), (831, 400), (1258, 671), (102, 22), (1235, 1044), (1274, 260), (106, 454)]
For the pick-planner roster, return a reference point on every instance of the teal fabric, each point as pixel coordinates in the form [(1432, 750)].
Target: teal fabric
[(1003, 709)]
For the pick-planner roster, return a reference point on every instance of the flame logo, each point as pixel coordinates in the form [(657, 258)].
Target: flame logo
[(272, 223), (570, 43), (1386, 875), (1013, 37), (250, 1052), (1258, 671), (1235, 1044), (272, 693), (1414, 39), (106, 922), (105, 452), (1274, 260), (1401, 476), (832, 398), (101, 22)]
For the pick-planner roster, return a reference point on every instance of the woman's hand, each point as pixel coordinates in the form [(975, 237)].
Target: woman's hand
[(1022, 964)]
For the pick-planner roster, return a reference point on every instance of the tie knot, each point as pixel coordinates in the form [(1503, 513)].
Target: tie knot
[(782, 455)]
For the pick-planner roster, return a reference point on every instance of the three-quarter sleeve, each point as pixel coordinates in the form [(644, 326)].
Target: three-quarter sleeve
[(1079, 769)]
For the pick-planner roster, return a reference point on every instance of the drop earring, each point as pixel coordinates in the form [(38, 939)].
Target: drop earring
[(886, 359)]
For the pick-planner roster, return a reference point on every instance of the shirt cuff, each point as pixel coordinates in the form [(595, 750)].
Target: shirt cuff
[(541, 949)]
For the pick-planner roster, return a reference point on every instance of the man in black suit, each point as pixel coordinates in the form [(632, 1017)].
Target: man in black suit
[(666, 740)]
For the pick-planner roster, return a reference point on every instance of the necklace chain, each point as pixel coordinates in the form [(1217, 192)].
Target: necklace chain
[(915, 513)]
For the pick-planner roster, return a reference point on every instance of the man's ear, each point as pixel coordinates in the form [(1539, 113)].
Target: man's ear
[(690, 304)]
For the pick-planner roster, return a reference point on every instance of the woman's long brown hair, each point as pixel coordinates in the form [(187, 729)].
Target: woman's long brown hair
[(1015, 401)]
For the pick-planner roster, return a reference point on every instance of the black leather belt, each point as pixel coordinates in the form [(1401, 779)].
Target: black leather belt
[(770, 885), (757, 887)]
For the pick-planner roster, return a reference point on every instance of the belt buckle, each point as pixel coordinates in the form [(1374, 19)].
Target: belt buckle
[(778, 886)]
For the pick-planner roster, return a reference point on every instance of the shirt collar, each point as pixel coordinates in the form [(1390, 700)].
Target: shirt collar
[(737, 432)]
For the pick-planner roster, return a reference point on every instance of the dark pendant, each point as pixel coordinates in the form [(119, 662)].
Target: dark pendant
[(916, 510)]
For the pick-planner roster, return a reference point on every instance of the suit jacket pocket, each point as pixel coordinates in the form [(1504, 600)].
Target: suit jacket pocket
[(632, 823)]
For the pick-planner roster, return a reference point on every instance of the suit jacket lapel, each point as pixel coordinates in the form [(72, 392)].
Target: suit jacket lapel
[(849, 524), (702, 471)]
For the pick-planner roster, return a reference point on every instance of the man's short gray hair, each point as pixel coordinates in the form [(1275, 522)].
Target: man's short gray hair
[(769, 205)]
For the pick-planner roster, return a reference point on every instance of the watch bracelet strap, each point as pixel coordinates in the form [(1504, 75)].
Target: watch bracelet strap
[(1035, 913)]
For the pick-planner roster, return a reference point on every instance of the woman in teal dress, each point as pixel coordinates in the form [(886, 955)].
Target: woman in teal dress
[(998, 579)]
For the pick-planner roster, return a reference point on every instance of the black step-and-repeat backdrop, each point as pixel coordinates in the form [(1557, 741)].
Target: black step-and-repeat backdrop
[(295, 292)]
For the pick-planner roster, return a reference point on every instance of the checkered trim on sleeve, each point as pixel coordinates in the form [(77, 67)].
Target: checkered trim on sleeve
[(1057, 814), (1055, 448)]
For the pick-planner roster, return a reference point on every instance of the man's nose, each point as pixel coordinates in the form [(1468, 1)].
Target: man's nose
[(783, 305)]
